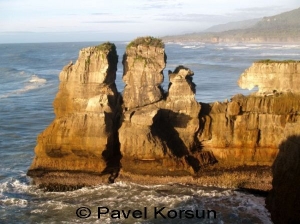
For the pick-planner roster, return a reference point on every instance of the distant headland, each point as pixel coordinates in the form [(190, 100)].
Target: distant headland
[(284, 27)]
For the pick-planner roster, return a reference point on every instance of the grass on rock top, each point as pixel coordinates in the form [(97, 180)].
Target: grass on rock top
[(146, 41), (276, 61), (107, 46)]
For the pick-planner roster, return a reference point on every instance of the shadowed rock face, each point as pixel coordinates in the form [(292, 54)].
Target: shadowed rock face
[(82, 138), (283, 201), (271, 77)]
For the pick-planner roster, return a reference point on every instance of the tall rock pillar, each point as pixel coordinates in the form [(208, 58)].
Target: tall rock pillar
[(80, 145)]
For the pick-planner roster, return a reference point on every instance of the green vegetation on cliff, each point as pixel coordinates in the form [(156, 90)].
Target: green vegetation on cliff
[(107, 46), (276, 61), (146, 41)]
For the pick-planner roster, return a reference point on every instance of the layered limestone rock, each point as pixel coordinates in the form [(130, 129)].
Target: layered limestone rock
[(272, 77), (143, 61), (158, 133), (82, 140), (161, 133), (249, 128)]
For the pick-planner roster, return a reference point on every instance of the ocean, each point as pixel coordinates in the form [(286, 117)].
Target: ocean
[(28, 85)]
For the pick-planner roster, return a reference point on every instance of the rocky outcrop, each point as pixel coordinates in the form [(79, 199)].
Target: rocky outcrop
[(143, 63), (82, 140), (249, 128), (98, 136), (158, 131), (272, 77), (283, 201)]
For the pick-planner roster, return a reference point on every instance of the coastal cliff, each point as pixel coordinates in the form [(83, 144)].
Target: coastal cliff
[(272, 77), (148, 134), (80, 146), (158, 131)]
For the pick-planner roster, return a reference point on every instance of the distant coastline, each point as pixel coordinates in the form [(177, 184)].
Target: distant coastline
[(281, 28)]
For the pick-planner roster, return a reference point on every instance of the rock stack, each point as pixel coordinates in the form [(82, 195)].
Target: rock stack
[(81, 145), (143, 61), (158, 132), (272, 77)]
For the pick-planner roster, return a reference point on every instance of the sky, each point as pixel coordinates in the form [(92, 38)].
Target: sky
[(30, 21)]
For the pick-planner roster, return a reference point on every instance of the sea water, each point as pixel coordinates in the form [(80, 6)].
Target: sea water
[(28, 85)]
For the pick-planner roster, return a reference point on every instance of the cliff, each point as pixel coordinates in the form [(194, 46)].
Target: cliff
[(272, 77), (157, 135), (154, 136), (80, 145)]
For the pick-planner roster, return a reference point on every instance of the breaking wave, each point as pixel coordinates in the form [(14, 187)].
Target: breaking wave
[(34, 82)]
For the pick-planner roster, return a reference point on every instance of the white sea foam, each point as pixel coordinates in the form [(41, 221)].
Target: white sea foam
[(34, 82), (36, 79), (239, 47), (14, 202)]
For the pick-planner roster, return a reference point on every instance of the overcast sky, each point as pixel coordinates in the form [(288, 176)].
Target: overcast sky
[(113, 20)]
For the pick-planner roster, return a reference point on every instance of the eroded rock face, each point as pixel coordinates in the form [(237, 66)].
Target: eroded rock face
[(83, 136), (160, 139), (272, 77), (253, 122), (159, 133), (143, 74)]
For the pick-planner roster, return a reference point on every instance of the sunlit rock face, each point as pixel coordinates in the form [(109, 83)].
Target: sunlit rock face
[(158, 132), (83, 136), (272, 77), (98, 135), (143, 61)]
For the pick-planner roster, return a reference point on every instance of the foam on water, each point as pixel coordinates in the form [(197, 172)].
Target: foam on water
[(34, 82)]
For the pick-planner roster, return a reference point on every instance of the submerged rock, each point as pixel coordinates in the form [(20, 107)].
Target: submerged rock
[(82, 139)]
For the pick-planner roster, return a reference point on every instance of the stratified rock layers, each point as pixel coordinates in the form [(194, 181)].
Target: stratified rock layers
[(143, 74), (248, 130), (272, 76), (83, 137), (158, 132)]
